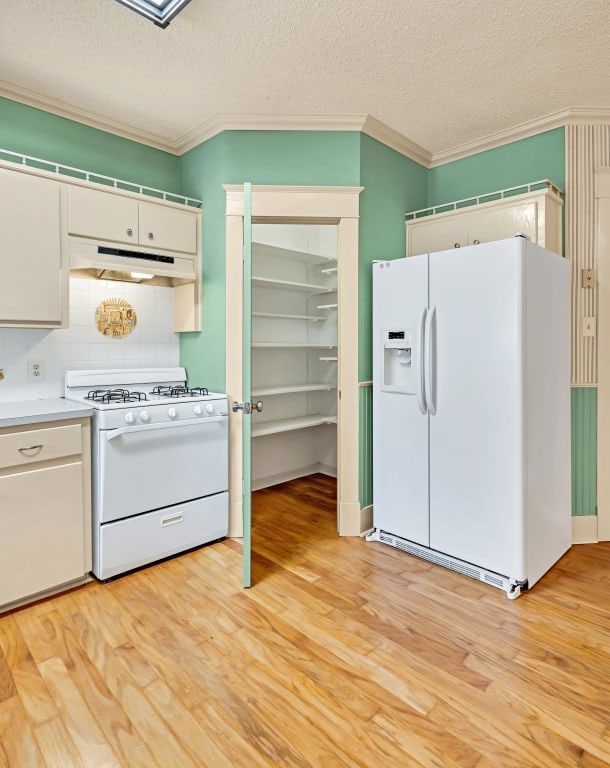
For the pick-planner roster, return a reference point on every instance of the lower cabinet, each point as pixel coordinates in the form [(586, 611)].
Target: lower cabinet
[(45, 518)]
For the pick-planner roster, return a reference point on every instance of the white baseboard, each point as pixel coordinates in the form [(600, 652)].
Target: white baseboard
[(584, 529), (293, 474), (366, 519)]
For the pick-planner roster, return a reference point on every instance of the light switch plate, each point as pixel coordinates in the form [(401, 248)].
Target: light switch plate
[(588, 326)]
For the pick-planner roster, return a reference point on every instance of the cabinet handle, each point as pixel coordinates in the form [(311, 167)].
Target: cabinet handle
[(130, 231), (151, 236), (476, 242), (456, 245), (35, 448)]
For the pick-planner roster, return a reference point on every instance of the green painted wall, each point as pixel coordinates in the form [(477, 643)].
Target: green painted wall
[(584, 451), (41, 134), (262, 157), (392, 185), (538, 157)]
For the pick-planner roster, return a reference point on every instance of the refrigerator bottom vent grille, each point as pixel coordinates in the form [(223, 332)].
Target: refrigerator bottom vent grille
[(452, 563)]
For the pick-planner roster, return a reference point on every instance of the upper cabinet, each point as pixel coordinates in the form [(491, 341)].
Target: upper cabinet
[(33, 264), (536, 215), (167, 228), (112, 217), (102, 215)]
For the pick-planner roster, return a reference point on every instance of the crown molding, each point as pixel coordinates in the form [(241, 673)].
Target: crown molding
[(366, 124), (569, 116), (396, 141), (57, 107)]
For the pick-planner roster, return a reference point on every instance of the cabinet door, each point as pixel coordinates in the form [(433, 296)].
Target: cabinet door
[(500, 223), (41, 530), (437, 235), (102, 215), (168, 229), (30, 250)]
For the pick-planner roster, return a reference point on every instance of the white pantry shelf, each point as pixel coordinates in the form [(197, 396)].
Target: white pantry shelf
[(288, 389), (289, 285), (290, 345), (289, 425), (312, 318), (329, 359), (328, 306), (262, 249)]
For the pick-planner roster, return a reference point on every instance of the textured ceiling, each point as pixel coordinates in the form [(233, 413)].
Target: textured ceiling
[(441, 73)]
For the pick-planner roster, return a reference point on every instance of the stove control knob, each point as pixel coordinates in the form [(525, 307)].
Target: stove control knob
[(197, 410), (172, 413), (209, 408), (129, 417), (144, 416)]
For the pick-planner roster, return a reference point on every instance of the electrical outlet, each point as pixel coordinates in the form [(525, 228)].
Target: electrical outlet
[(36, 370), (588, 326)]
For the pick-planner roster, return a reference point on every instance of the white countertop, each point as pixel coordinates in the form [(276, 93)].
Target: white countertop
[(35, 411)]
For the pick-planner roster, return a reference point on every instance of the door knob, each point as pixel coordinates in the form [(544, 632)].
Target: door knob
[(150, 236), (258, 406)]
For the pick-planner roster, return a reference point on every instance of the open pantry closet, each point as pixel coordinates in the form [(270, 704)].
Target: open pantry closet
[(294, 351)]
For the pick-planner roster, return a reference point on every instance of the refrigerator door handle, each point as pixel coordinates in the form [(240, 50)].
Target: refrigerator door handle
[(430, 364), (421, 343)]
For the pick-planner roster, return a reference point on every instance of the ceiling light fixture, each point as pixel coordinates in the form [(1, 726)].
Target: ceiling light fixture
[(161, 12)]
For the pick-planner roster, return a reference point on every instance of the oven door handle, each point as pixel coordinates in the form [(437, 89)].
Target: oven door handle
[(112, 433)]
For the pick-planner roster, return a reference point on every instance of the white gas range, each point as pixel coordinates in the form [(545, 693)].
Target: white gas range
[(160, 464)]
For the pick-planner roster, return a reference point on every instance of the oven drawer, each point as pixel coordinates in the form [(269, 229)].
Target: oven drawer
[(127, 544), (22, 448)]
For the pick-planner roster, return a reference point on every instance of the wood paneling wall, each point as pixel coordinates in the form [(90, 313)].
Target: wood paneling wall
[(587, 148)]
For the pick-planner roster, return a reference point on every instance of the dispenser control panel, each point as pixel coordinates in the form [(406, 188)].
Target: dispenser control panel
[(398, 361)]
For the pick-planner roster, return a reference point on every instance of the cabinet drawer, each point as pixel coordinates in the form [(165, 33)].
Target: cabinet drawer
[(41, 530), (128, 544), (102, 215), (168, 229), (19, 448)]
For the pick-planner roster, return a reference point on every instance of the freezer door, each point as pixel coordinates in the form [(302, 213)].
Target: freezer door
[(475, 360), (400, 419)]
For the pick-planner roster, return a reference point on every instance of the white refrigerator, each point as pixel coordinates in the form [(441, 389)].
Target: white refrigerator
[(471, 409)]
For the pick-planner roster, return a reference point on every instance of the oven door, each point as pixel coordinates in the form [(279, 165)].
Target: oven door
[(156, 465)]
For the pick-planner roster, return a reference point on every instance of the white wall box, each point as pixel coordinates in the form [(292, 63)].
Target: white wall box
[(45, 508), (293, 276), (535, 213), (33, 263)]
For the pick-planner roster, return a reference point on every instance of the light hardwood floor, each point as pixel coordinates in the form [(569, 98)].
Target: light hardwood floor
[(343, 654)]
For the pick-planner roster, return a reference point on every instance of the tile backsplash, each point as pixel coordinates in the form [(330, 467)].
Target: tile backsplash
[(152, 344)]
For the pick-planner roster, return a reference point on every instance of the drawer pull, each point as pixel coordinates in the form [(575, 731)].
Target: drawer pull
[(172, 519), (26, 451)]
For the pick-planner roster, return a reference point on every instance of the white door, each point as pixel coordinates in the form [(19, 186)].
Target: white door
[(476, 432), (102, 215), (30, 249), (137, 476), (168, 229), (400, 421)]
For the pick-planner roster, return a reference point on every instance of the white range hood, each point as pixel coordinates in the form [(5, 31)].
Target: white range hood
[(110, 261)]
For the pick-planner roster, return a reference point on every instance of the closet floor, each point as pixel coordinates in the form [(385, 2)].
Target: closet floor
[(343, 654)]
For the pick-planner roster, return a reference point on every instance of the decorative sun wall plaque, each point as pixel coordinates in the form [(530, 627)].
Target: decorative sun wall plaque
[(115, 318)]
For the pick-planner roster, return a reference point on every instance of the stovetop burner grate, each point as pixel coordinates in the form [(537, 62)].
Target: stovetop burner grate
[(180, 391), (115, 396)]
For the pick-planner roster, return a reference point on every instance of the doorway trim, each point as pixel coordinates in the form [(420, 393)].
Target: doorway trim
[(300, 205), (602, 253)]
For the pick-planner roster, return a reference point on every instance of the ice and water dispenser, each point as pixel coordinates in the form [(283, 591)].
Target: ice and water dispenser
[(398, 361)]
